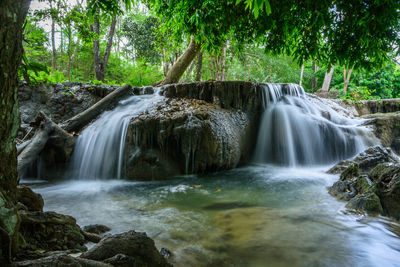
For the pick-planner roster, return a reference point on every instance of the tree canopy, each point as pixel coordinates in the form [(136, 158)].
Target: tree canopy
[(360, 33)]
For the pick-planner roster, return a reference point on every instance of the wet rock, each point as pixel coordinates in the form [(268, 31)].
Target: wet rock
[(166, 253), (96, 228), (132, 244), (365, 107), (366, 202), (366, 160), (32, 200), (377, 192), (187, 136), (50, 231)]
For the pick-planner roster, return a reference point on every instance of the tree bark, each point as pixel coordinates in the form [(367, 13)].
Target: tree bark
[(12, 17), (80, 120), (189, 71), (99, 64), (182, 63), (53, 43), (314, 80), (327, 80), (301, 74), (199, 67), (69, 52), (346, 78), (96, 47)]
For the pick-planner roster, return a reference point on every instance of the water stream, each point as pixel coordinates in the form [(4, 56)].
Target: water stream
[(258, 215)]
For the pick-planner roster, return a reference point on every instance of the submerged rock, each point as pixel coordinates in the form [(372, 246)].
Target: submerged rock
[(136, 248)]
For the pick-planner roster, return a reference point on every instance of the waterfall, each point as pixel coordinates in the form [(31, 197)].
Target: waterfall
[(99, 151), (294, 131)]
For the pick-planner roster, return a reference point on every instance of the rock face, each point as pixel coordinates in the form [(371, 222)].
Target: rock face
[(366, 107), (127, 249), (368, 184), (32, 200), (59, 101), (200, 127), (386, 128)]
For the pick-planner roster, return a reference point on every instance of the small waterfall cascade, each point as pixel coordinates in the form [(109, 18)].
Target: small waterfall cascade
[(99, 151), (294, 131)]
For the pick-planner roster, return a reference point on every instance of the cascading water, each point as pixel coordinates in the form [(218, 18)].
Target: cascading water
[(294, 132), (99, 151)]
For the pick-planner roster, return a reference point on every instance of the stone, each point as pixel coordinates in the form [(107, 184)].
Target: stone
[(96, 228), (366, 160), (51, 231), (386, 128), (131, 244), (187, 136), (369, 203), (32, 200)]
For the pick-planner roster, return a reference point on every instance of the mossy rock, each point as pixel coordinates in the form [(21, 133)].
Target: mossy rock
[(369, 203), (350, 172)]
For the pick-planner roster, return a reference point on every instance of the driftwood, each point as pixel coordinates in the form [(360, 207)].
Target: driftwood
[(77, 122), (46, 127)]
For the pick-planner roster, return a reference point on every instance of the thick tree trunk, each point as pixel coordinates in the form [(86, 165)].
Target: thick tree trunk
[(12, 17), (183, 62), (199, 67), (327, 80), (108, 49), (218, 65), (80, 120), (314, 80)]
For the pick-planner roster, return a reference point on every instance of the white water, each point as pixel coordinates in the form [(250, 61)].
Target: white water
[(294, 131), (99, 151)]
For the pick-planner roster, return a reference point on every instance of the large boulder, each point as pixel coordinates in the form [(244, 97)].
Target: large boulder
[(132, 248)]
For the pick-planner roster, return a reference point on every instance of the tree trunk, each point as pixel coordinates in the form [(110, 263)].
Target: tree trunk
[(80, 120), (69, 52), (199, 67), (314, 80), (12, 17), (346, 78), (53, 43), (189, 71), (182, 63), (96, 47), (108, 49), (327, 80), (301, 74)]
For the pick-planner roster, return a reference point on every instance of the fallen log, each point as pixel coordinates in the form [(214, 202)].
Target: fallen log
[(45, 127), (80, 120)]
